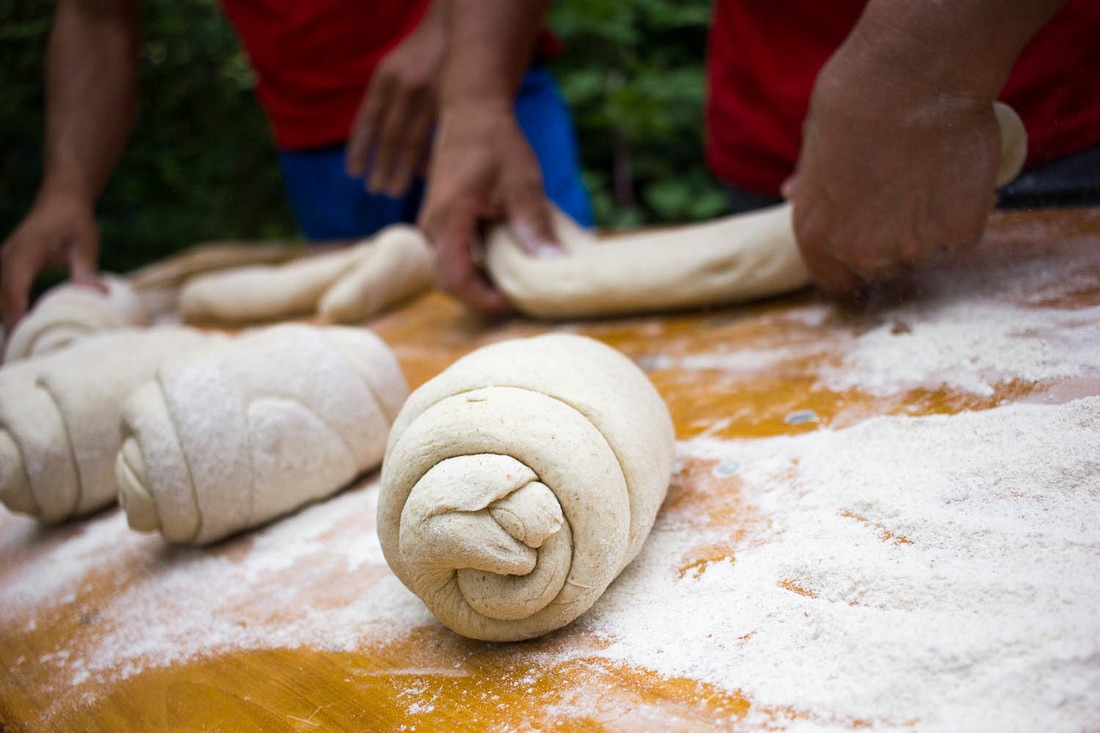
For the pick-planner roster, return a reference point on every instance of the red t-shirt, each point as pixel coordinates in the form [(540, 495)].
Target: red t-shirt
[(314, 58), (763, 58)]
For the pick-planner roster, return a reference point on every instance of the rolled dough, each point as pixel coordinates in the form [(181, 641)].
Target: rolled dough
[(59, 418), (68, 312), (520, 482), (254, 427)]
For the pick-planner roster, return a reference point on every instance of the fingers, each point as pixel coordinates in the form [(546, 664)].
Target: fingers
[(400, 144), (456, 271), (528, 210), (83, 259), (367, 120)]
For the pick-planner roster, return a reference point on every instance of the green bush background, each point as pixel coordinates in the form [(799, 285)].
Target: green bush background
[(200, 165)]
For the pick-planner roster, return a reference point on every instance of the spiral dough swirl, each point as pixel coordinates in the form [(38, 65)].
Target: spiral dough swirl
[(521, 481)]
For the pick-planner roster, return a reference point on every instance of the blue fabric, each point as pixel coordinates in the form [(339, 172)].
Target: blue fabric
[(329, 204), (1070, 181)]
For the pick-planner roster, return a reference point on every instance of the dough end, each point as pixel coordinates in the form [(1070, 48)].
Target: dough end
[(141, 510), (15, 489)]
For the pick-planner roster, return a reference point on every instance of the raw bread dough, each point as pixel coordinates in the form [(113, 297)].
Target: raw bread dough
[(347, 285), (59, 418), (521, 481), (262, 293), (396, 268), (254, 427), (730, 260), (68, 312)]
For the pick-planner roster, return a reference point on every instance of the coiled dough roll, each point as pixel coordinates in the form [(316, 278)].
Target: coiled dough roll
[(520, 482), (68, 312), (59, 418), (238, 434)]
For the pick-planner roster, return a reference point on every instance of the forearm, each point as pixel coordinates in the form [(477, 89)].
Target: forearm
[(91, 93), (956, 47), (489, 48)]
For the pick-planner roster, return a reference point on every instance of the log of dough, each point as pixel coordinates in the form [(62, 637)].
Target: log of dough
[(235, 435), (520, 482), (731, 260), (263, 293), (68, 312), (347, 285), (397, 267), (59, 419)]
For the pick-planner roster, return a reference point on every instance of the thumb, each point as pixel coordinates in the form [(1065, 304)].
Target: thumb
[(531, 221), (83, 262)]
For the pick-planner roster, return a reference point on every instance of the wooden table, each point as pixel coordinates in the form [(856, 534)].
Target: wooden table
[(301, 627)]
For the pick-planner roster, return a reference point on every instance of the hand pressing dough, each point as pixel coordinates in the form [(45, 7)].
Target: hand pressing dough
[(731, 260), (521, 481), (59, 418), (397, 267), (69, 312), (254, 427)]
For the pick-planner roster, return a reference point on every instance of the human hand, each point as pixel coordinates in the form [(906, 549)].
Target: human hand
[(893, 175), (58, 230), (482, 168), (395, 119)]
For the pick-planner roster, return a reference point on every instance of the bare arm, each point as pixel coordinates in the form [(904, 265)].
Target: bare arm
[(900, 147), (482, 166), (91, 93)]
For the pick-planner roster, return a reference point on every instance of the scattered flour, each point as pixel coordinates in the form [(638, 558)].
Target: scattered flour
[(970, 346), (938, 572), (933, 573), (942, 570)]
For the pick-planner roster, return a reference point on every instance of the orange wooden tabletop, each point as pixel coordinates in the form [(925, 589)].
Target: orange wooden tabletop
[(300, 626)]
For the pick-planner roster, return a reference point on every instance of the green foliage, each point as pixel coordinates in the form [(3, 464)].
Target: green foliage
[(633, 74), (200, 164)]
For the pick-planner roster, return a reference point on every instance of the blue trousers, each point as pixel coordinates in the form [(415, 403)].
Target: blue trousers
[(328, 204)]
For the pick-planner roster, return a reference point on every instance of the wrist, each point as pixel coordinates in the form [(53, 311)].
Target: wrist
[(961, 50)]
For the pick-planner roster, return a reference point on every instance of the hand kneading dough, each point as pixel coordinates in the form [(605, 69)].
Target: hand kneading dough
[(521, 481), (255, 427), (730, 260), (397, 267), (59, 418), (69, 312)]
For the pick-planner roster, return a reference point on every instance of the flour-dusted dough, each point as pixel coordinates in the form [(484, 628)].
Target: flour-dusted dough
[(68, 312), (520, 482), (730, 260), (59, 418), (397, 267), (235, 435)]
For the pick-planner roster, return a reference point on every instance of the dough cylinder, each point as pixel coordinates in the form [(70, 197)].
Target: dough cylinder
[(521, 481), (59, 418), (253, 428)]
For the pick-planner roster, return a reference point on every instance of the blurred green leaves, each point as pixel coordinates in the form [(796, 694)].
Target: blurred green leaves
[(633, 74), (200, 164)]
